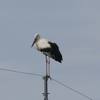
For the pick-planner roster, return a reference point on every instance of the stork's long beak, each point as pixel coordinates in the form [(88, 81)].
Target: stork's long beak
[(33, 42)]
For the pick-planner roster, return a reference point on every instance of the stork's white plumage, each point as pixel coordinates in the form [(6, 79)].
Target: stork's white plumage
[(48, 48)]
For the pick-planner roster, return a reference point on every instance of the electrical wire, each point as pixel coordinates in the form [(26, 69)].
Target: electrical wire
[(42, 76), (20, 72), (72, 89)]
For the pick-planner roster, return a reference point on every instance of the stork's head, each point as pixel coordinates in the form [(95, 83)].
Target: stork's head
[(36, 38)]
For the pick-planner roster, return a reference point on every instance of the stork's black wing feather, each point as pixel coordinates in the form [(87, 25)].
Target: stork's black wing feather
[(56, 52), (52, 51)]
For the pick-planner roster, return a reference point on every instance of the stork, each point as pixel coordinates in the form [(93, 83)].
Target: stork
[(48, 48)]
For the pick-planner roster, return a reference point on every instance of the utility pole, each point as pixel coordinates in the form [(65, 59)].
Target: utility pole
[(45, 78), (45, 94)]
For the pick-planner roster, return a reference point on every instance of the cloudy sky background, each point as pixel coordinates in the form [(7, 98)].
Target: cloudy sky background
[(73, 24)]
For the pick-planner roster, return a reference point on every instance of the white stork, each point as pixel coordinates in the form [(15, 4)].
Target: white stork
[(48, 48)]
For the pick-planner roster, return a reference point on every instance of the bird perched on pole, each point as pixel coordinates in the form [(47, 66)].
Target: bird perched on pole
[(48, 48)]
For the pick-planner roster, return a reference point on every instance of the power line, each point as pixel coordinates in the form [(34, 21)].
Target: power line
[(20, 72), (72, 89), (51, 78)]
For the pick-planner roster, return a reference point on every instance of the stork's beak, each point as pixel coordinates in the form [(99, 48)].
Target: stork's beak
[(33, 42)]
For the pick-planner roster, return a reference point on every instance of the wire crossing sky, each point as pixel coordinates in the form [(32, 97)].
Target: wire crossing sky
[(42, 76)]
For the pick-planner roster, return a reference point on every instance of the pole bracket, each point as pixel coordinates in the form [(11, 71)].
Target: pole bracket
[(46, 77)]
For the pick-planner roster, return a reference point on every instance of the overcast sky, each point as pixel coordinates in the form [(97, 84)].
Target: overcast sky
[(73, 24)]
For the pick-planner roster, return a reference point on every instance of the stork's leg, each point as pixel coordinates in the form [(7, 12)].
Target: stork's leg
[(49, 66), (46, 65)]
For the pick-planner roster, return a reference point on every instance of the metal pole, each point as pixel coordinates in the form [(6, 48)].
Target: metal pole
[(45, 78)]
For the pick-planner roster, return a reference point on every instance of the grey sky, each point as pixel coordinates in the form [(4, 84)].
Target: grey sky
[(73, 24)]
